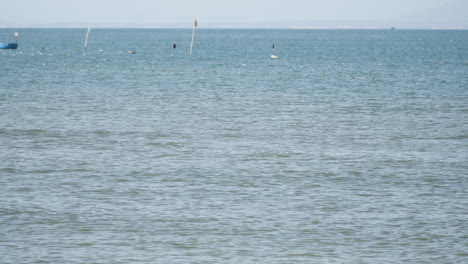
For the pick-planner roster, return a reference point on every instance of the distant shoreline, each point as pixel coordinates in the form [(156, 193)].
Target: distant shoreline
[(241, 28), (345, 24)]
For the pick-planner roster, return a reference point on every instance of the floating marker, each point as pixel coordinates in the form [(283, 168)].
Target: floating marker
[(273, 56)]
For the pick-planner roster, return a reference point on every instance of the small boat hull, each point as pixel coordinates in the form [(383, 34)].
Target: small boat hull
[(8, 45)]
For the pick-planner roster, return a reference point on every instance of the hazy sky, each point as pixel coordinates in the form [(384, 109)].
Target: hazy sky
[(36, 12)]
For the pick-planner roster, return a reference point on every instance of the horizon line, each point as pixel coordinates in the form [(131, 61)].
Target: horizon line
[(233, 27), (311, 24)]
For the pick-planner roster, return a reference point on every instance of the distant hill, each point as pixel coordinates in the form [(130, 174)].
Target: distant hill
[(451, 15)]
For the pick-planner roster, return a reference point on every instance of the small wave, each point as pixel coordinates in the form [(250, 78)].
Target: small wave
[(22, 131), (101, 132), (8, 170), (458, 137), (51, 171)]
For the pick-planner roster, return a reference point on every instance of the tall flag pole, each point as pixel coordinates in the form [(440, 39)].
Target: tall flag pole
[(195, 24)]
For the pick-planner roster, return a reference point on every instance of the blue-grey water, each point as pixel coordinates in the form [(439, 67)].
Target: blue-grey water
[(350, 147)]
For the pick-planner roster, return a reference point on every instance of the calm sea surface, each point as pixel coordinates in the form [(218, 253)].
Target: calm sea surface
[(350, 147)]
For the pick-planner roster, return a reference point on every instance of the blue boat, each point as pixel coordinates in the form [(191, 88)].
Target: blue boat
[(9, 45)]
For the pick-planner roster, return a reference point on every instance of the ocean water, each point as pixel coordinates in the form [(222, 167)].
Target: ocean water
[(350, 147)]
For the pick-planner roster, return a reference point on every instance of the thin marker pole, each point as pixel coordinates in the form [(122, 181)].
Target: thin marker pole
[(195, 24), (87, 36)]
